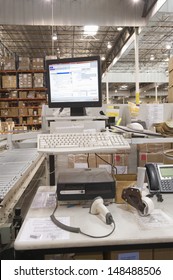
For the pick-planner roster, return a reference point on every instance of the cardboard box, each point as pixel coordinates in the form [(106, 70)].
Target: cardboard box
[(170, 64), (143, 158), (61, 162), (22, 94), (171, 78), (123, 181), (40, 95), (38, 80), (78, 161), (25, 80), (30, 111), (163, 254), (13, 112), (4, 112), (29, 120), (167, 159), (24, 63), (13, 94), (170, 94), (6, 126), (39, 111), (92, 160), (144, 254), (104, 161), (9, 63), (37, 63), (21, 104), (3, 104), (153, 147), (31, 94), (9, 81), (23, 111), (88, 256), (121, 163)]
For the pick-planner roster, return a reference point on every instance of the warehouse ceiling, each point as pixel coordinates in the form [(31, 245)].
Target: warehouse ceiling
[(35, 39)]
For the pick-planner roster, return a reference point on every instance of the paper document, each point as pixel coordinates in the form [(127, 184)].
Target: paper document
[(37, 229)]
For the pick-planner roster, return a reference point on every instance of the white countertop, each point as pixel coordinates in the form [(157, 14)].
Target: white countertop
[(38, 232)]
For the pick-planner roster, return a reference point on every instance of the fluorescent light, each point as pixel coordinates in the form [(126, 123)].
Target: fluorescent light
[(119, 28), (109, 46), (90, 30), (103, 58), (168, 46), (54, 37), (152, 57)]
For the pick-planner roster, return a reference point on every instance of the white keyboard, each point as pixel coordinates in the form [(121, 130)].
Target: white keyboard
[(101, 142)]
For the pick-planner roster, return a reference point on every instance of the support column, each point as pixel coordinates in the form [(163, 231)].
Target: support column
[(137, 94), (156, 93), (107, 91)]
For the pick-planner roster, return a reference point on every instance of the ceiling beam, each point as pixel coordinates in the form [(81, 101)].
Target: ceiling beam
[(120, 42), (148, 5)]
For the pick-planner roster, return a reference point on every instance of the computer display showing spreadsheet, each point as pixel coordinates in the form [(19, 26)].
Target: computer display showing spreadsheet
[(74, 83)]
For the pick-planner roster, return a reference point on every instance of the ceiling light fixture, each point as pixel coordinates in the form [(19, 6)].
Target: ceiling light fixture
[(109, 46), (168, 46), (54, 37), (152, 57), (119, 28), (90, 30), (103, 58)]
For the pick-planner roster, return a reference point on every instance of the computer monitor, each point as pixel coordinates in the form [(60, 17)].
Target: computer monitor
[(74, 83)]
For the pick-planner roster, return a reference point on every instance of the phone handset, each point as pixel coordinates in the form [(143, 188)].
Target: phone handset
[(153, 178)]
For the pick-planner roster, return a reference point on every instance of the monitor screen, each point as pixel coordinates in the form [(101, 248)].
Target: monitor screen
[(74, 83)]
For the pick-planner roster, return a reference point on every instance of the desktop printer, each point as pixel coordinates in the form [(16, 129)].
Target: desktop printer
[(85, 184)]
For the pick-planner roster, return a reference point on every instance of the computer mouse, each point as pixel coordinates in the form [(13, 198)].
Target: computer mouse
[(135, 126)]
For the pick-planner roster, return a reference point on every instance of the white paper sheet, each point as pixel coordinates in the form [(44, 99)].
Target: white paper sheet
[(44, 229)]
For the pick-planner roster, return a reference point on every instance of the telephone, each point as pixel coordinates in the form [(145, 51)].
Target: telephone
[(160, 177)]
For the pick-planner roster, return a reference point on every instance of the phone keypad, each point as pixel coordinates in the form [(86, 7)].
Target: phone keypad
[(167, 186)]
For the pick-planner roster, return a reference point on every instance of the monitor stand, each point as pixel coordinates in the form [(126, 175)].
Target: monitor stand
[(77, 111)]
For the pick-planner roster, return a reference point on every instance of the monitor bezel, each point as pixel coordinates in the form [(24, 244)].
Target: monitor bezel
[(71, 104)]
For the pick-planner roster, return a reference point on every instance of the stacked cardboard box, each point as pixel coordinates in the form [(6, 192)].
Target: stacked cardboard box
[(37, 63), (170, 88), (9, 81), (13, 112), (31, 94), (13, 94), (4, 104), (9, 63), (23, 111), (25, 80), (40, 95), (24, 63), (116, 163), (38, 80), (6, 126), (4, 112), (22, 94), (152, 152), (78, 161), (30, 120)]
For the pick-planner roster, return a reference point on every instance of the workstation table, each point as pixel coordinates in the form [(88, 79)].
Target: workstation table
[(38, 235)]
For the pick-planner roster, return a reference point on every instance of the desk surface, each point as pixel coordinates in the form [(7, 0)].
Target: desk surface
[(38, 232)]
